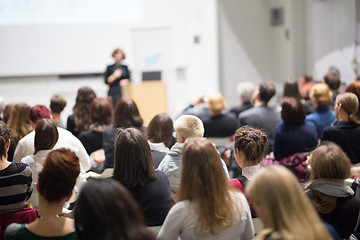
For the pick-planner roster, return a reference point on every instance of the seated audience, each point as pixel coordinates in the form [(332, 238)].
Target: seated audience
[(291, 89), (15, 178), (245, 91), (25, 146), (101, 113), (332, 198), (354, 88), (206, 208), (19, 124), (332, 79), (321, 95), (7, 112), (134, 169), (283, 207), (159, 136), (57, 105), (106, 210), (80, 120), (46, 136), (305, 84), (218, 123), (250, 144), (261, 116), (126, 115), (55, 185), (293, 134), (346, 131)]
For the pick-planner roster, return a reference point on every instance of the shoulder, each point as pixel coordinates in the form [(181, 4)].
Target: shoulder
[(14, 231), (27, 138), (28, 159)]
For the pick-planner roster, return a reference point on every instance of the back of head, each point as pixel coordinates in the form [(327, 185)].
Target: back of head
[(286, 208), (7, 111), (203, 180), (245, 90), (103, 204), (292, 111), (133, 164), (266, 91), (189, 126), (46, 135), (85, 95), (332, 79), (291, 89), (252, 142), (58, 176), (354, 87), (57, 104), (349, 103), (101, 111), (19, 121), (38, 112), (216, 103), (4, 139), (81, 109), (329, 161), (321, 94), (127, 114), (160, 129)]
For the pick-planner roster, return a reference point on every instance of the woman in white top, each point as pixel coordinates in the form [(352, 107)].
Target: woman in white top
[(207, 208), (46, 136)]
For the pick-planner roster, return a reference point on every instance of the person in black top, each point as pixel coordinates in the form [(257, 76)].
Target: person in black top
[(117, 75)]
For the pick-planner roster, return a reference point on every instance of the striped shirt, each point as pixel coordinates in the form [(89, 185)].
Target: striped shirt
[(15, 187)]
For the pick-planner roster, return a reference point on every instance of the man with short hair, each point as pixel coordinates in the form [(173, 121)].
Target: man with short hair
[(57, 105), (261, 116)]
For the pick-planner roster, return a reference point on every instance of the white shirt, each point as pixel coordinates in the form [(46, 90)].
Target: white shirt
[(66, 139), (158, 147), (250, 172), (181, 222)]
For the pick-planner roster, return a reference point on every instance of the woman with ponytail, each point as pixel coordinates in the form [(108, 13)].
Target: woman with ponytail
[(346, 131), (15, 178)]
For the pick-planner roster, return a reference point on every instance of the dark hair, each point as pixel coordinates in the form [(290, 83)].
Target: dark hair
[(127, 114), (252, 142), (101, 111), (266, 91), (38, 112), (57, 103), (116, 51), (106, 210), (81, 110), (291, 89), (354, 88), (133, 164), (57, 178), (292, 111), (160, 129), (46, 135), (4, 138), (332, 78)]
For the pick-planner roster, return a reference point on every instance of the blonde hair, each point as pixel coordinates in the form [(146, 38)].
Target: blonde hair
[(350, 104), (321, 94), (289, 212), (19, 121), (216, 102), (189, 126), (203, 181)]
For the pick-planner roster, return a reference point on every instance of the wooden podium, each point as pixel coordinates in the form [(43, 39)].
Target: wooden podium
[(150, 97)]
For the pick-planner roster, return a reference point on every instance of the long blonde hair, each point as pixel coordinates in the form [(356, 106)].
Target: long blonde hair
[(288, 211), (203, 181), (19, 121)]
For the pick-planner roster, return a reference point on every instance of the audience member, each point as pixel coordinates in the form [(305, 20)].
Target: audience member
[(25, 146), (46, 136), (332, 79), (332, 198), (354, 87), (57, 105), (55, 185), (291, 89), (134, 169), (19, 124), (106, 210), (293, 134), (261, 115), (305, 84), (159, 136), (245, 91), (7, 112), (250, 146), (320, 95), (206, 207), (219, 123), (126, 115), (15, 178), (283, 207), (101, 113), (346, 131), (80, 120)]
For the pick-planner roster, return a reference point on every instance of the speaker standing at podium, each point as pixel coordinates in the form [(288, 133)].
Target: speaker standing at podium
[(117, 75)]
